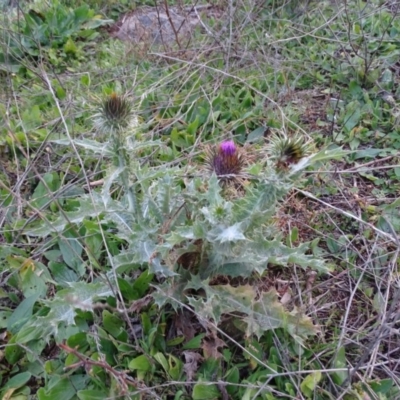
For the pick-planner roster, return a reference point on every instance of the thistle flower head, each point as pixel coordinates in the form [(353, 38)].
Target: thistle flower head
[(226, 160), (287, 151), (228, 148), (115, 113)]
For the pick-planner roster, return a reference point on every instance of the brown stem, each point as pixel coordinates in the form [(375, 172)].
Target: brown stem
[(172, 24), (120, 376)]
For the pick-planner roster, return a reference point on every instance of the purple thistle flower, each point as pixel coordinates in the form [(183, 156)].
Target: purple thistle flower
[(226, 160), (227, 148)]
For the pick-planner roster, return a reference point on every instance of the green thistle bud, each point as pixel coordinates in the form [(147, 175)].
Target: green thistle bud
[(288, 151), (115, 114)]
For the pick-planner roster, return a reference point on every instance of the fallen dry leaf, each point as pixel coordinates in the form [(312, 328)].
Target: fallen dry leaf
[(211, 343)]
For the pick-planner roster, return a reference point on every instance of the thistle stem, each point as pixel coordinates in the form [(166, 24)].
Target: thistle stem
[(122, 163), (125, 181)]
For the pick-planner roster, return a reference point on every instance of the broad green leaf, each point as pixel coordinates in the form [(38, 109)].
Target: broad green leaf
[(258, 133), (31, 118), (141, 363), (17, 381), (62, 274), (78, 341), (49, 184), (126, 290), (32, 282), (177, 138), (353, 144), (22, 313), (60, 92), (13, 352), (71, 248), (4, 317), (294, 234), (355, 89), (340, 362), (94, 242), (141, 284), (3, 293), (9, 68), (204, 391), (33, 331), (191, 129), (58, 388), (126, 261), (162, 360), (333, 245), (112, 323), (352, 116), (85, 79), (175, 367), (70, 47), (233, 376), (175, 341), (97, 22), (194, 343), (382, 386), (368, 153), (92, 395), (310, 383)]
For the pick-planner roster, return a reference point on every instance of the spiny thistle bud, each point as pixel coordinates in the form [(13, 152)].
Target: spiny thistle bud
[(226, 161), (115, 114), (287, 151)]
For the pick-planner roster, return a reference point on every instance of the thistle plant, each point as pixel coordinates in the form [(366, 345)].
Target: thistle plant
[(115, 118), (187, 235)]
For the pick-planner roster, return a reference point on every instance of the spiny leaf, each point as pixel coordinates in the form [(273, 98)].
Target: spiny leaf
[(90, 206), (96, 147), (223, 234), (80, 295), (261, 312)]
